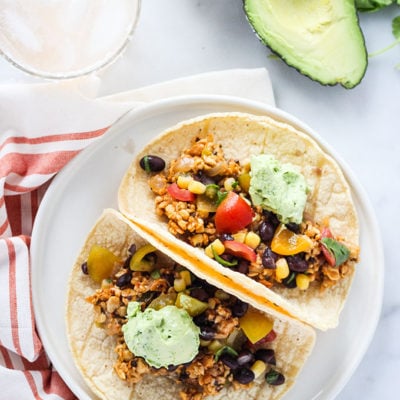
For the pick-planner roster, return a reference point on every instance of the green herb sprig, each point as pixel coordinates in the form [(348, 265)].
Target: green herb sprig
[(376, 5)]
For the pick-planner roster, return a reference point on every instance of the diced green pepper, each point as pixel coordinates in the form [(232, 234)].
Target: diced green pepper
[(192, 305)]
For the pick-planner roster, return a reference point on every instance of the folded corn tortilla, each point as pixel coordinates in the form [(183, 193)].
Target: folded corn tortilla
[(241, 136), (93, 349)]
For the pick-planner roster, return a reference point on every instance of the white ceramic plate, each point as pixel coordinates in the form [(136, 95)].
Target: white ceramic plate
[(89, 184)]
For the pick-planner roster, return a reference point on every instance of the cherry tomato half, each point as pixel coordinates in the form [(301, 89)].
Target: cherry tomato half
[(180, 194), (329, 257), (240, 250), (233, 214)]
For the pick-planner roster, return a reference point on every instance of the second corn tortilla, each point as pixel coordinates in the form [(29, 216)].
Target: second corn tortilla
[(93, 349)]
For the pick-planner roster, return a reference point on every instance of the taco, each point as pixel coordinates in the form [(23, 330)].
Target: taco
[(255, 201), (141, 326)]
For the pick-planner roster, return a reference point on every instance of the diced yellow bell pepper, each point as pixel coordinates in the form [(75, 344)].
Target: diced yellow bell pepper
[(286, 243), (101, 263), (138, 262), (255, 325)]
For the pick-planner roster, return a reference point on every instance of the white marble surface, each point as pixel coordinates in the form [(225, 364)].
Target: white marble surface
[(179, 37)]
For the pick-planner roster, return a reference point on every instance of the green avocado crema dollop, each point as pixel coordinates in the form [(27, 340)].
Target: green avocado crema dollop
[(278, 187), (162, 337)]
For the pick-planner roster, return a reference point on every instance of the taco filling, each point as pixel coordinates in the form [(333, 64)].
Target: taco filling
[(248, 216), (167, 322)]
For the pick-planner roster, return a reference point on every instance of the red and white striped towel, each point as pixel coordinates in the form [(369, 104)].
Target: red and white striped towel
[(42, 127)]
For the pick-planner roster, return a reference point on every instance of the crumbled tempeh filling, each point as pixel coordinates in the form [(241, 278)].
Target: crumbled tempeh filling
[(194, 221)]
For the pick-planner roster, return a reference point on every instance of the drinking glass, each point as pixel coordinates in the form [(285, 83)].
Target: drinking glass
[(65, 38)]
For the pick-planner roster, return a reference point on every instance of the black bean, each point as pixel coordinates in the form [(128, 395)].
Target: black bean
[(127, 262), (271, 218), (229, 361), (269, 258), (266, 231), (239, 308), (293, 227), (274, 377), (207, 332), (204, 179), (245, 357), (225, 236), (84, 268), (243, 267), (243, 375), (132, 249), (266, 355), (124, 279), (297, 263), (151, 163), (227, 257), (210, 289), (169, 277), (199, 293), (202, 320)]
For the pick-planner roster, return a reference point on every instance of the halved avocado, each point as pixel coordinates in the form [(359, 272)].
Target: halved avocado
[(322, 39)]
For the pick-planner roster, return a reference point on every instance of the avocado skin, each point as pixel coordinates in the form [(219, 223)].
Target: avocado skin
[(347, 82)]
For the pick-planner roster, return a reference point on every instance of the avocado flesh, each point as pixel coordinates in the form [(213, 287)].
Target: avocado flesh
[(320, 38)]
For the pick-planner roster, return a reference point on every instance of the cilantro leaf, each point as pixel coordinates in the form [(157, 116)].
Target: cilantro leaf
[(372, 5), (339, 250), (396, 27)]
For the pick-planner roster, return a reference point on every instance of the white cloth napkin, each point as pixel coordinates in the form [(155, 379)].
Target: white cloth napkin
[(42, 127)]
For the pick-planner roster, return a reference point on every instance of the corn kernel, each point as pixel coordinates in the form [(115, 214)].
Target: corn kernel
[(185, 275), (302, 281), (183, 181), (179, 285), (252, 240), (258, 368), (229, 184), (282, 269), (218, 247), (208, 251), (240, 236), (196, 187)]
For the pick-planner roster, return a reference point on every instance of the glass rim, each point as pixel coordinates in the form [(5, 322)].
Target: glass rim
[(104, 62)]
